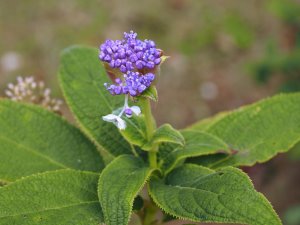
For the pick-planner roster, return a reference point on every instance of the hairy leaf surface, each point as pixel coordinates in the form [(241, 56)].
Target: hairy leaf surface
[(82, 78), (196, 144), (259, 131), (34, 140), (63, 197), (119, 184), (207, 122), (202, 195)]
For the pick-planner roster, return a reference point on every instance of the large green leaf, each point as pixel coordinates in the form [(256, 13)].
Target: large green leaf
[(207, 122), (207, 160), (202, 195), (82, 78), (259, 131), (119, 184), (196, 144), (63, 197), (33, 140)]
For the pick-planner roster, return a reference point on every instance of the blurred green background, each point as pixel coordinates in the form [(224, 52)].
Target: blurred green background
[(224, 54)]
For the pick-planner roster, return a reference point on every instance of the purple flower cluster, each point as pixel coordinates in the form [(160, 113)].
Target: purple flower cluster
[(135, 59), (130, 53), (134, 84)]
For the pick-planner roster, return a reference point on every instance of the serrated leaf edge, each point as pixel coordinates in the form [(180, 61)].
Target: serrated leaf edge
[(151, 170), (263, 198), (84, 130)]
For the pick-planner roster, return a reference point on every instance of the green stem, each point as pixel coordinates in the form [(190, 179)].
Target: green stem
[(151, 126), (150, 215), (151, 208), (149, 118), (152, 159), (133, 150)]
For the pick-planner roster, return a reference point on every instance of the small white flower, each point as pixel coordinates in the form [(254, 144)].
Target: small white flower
[(115, 117), (136, 110), (129, 111), (120, 123), (26, 89)]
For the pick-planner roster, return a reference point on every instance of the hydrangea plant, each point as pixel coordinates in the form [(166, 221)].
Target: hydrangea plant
[(117, 162)]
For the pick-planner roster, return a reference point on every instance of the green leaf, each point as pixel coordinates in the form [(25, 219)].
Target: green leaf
[(165, 133), (33, 140), (82, 79), (205, 123), (119, 184), (135, 132), (259, 131), (63, 197), (202, 195), (197, 144), (207, 160)]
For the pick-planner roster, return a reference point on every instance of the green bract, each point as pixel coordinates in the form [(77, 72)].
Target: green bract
[(54, 173)]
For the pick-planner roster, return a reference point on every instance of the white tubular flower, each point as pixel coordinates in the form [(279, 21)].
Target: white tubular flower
[(116, 120), (136, 110), (132, 110), (115, 117)]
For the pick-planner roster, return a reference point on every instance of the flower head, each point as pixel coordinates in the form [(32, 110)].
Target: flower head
[(137, 61), (27, 89), (130, 53)]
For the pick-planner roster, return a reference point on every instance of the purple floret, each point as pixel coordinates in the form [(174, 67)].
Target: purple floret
[(134, 84), (130, 53), (128, 111)]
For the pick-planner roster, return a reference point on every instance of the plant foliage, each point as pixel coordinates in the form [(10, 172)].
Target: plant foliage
[(52, 173)]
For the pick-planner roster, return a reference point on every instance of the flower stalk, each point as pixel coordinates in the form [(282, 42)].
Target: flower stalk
[(150, 129)]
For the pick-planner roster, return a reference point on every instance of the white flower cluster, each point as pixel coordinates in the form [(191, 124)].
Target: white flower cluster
[(28, 90)]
